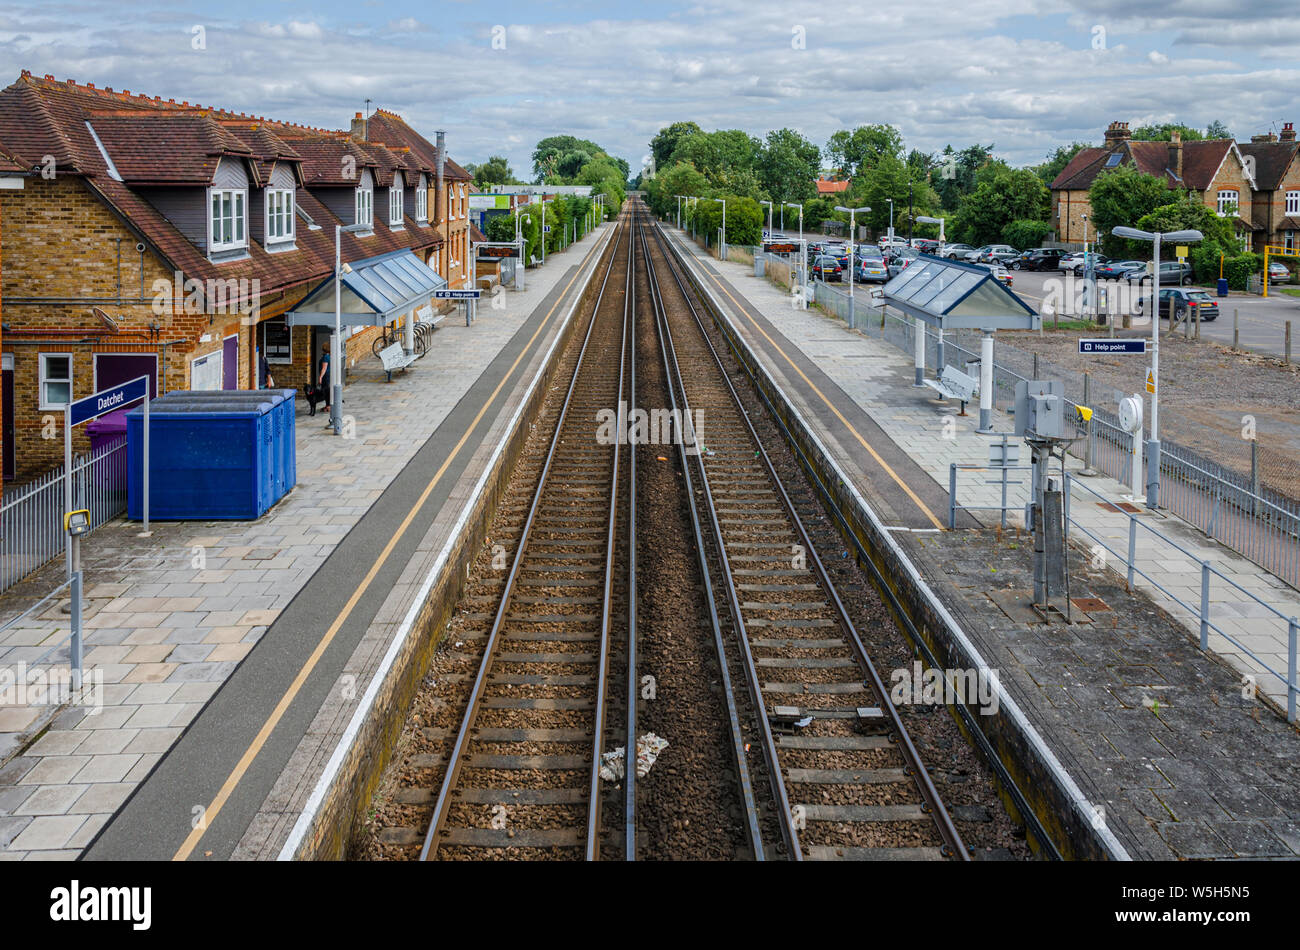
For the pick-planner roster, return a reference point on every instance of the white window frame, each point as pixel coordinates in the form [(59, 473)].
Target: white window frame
[(1292, 202), (364, 207), (422, 201), (395, 209), (464, 204), (1228, 196), (44, 378), (238, 219), (279, 207)]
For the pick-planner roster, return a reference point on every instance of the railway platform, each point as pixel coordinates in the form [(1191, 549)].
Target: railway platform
[(232, 654), (1176, 758)]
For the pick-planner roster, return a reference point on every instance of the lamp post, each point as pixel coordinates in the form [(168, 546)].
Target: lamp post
[(543, 230), (853, 232), (523, 249), (803, 250), (679, 210), (891, 219), (769, 215), (926, 219), (722, 245), (1153, 452), (336, 372)]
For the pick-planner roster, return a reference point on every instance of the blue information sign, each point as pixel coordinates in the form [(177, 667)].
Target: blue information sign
[(109, 400), (457, 294), (1113, 346)]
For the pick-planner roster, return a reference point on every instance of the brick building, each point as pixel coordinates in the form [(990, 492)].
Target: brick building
[(13, 176), (1215, 171), (169, 239), (1277, 197)]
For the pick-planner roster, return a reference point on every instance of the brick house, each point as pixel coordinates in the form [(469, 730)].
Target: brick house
[(1277, 198), (13, 177), (1214, 170), (169, 239)]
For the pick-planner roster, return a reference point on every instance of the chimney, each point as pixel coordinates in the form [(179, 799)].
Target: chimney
[(1288, 132), (1269, 137), (359, 127), (1116, 132), (1176, 154), (437, 197)]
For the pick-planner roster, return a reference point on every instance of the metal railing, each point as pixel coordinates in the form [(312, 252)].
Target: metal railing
[(31, 518), (1021, 488), (1229, 506), (1200, 611)]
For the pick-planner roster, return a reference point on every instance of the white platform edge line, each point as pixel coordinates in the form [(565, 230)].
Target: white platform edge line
[(359, 716), (1085, 808)]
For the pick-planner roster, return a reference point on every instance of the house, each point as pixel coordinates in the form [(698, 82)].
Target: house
[(1214, 170), (13, 177), (169, 239), (1277, 197), (828, 189)]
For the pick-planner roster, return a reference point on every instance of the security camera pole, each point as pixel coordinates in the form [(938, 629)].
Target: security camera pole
[(1178, 237), (853, 235)]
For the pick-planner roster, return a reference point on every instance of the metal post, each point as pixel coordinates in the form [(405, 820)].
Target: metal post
[(1197, 334), (852, 247), (144, 471), (1287, 357), (1153, 449), (1090, 454), (918, 358), (952, 496), (939, 363), (76, 658), (336, 356), (1004, 482), (1292, 626), (986, 383), (1205, 605), (69, 542), (1035, 366), (1132, 546), (1236, 331)]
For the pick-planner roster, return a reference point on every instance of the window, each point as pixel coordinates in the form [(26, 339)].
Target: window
[(395, 202), (226, 220), (279, 215), (1289, 240), (56, 380), (1227, 202), (1293, 202), (422, 201), (1243, 239), (1114, 159), (365, 205), (461, 191)]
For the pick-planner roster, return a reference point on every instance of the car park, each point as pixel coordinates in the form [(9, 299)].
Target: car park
[(1183, 300), (925, 245), (1002, 254), (826, 268), (954, 251), (1040, 258), (871, 269)]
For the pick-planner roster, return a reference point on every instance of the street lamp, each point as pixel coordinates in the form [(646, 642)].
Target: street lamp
[(336, 372), (679, 210), (523, 260), (891, 219), (803, 250), (722, 245), (853, 234), (1156, 237), (769, 215), (926, 219)]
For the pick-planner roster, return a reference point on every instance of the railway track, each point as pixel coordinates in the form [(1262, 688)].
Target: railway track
[(522, 774), (846, 778)]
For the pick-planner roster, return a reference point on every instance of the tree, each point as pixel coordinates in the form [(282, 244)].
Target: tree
[(1161, 133), (853, 152), (495, 171), (744, 219), (667, 139), (1057, 160), (680, 179), (718, 155), (1187, 213), (1026, 233), (1217, 130), (559, 158), (787, 165), (956, 172), (1121, 196), (1003, 196)]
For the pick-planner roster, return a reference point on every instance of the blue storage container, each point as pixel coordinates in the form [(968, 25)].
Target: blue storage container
[(227, 454)]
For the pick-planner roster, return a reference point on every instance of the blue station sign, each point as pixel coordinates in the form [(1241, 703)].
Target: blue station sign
[(457, 294), (108, 400), (1136, 346)]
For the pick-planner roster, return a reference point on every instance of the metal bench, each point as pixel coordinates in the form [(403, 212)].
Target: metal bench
[(954, 384), (394, 358)]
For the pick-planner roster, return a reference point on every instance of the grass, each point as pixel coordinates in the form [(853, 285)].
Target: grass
[(1291, 291)]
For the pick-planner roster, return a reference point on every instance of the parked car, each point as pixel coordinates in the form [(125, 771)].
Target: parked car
[(1116, 270), (1040, 258), (1278, 273), (925, 245), (871, 269), (954, 251), (1002, 254), (899, 260), (1000, 273), (838, 251), (827, 268), (1171, 273), (1183, 300), (977, 255)]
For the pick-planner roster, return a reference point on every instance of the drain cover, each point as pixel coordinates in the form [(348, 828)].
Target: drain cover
[(1120, 506), (261, 554), (1089, 605)]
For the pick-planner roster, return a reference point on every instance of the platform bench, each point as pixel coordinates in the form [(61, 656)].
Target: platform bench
[(394, 358), (954, 384)]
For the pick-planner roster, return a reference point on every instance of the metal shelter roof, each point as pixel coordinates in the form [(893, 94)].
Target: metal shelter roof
[(956, 295), (374, 292)]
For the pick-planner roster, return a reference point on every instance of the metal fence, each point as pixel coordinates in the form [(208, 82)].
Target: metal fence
[(1228, 505), (31, 517)]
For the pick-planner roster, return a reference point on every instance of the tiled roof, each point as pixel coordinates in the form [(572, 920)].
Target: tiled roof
[(1272, 159), (1079, 172), (1201, 160), (391, 129), (161, 148), (825, 187), (40, 117), (9, 164)]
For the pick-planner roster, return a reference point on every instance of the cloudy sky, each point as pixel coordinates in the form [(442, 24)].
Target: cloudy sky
[(1026, 75)]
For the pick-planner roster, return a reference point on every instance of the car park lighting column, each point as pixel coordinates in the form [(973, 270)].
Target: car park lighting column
[(679, 210), (769, 215), (1178, 237), (336, 357), (853, 234)]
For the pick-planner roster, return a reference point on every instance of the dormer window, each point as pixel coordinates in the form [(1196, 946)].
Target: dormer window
[(226, 228), (395, 201), (279, 215), (365, 204), (422, 201)]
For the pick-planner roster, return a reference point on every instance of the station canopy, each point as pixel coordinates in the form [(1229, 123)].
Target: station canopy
[(955, 295), (375, 291)]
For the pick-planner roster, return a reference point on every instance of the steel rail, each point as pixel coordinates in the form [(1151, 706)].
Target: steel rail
[(943, 820), (629, 749), (680, 412), (455, 759)]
